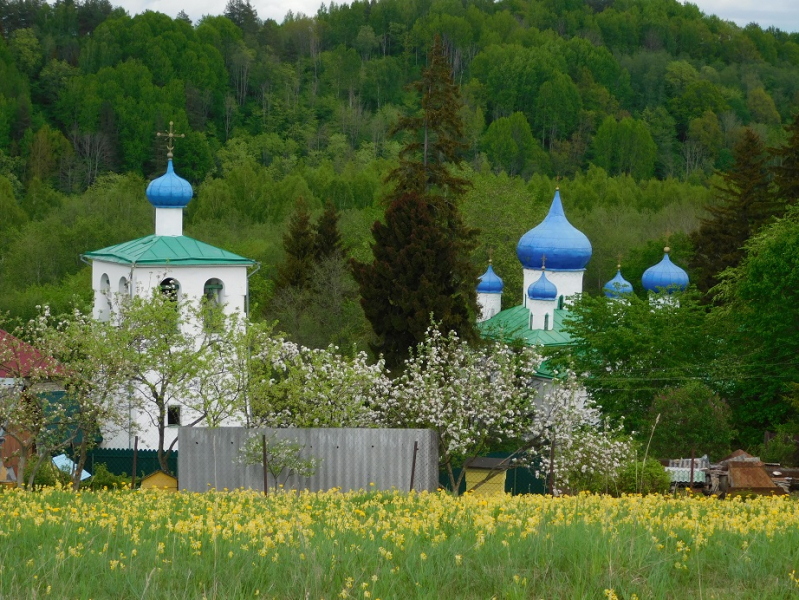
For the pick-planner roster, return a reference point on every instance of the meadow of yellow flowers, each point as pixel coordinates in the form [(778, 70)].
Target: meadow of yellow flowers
[(240, 544)]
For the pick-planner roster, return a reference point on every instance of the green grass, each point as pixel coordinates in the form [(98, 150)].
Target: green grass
[(393, 545)]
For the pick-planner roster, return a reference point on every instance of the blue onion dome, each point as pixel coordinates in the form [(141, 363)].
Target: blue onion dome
[(665, 276), (543, 289), (565, 247), (618, 286), (169, 190), (490, 283)]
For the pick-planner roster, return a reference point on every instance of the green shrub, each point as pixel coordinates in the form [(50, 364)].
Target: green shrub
[(103, 478), (636, 477), (782, 448), (46, 476), (692, 418)]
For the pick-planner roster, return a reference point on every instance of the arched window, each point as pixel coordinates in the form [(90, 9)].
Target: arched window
[(170, 288), (104, 308), (531, 320), (560, 302), (546, 322), (124, 286), (214, 291)]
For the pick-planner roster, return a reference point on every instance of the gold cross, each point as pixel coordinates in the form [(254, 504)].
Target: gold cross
[(490, 255), (170, 139), (543, 262)]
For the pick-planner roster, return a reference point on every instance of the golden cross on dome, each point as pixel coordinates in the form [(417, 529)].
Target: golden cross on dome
[(543, 262), (170, 139), (490, 255)]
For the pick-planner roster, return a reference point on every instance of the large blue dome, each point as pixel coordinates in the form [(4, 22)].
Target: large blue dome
[(169, 190), (665, 276), (543, 289), (618, 286), (490, 283), (565, 247)]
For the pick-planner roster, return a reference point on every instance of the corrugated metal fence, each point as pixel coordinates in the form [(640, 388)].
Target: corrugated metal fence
[(351, 459)]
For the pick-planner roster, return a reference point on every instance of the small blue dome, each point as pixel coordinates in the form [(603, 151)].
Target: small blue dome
[(665, 276), (617, 287), (169, 190), (543, 289), (490, 283), (565, 247)]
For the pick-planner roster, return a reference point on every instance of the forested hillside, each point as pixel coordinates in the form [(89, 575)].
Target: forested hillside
[(633, 103)]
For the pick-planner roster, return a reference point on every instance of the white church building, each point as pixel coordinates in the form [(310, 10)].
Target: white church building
[(553, 256), (166, 261)]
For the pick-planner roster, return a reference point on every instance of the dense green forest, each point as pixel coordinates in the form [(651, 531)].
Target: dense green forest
[(632, 104)]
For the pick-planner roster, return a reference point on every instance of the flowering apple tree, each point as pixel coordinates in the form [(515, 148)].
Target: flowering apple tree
[(295, 386), (473, 398)]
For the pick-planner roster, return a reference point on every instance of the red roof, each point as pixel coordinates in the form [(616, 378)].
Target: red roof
[(18, 358)]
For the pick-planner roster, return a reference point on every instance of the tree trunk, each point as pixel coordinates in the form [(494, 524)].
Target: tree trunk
[(454, 484), (35, 470), (84, 446)]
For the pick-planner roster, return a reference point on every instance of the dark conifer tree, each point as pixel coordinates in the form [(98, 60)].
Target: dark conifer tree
[(435, 135), (421, 261), (786, 169), (744, 204), (417, 271), (328, 238), (299, 242)]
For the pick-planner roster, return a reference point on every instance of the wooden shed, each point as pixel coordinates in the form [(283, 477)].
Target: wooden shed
[(160, 481)]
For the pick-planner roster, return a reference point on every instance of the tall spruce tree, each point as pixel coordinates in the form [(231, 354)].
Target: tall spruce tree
[(786, 168), (328, 239), (417, 272), (299, 242), (421, 263), (744, 204), (434, 136)]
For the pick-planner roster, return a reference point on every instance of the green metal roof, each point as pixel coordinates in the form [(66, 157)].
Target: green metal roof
[(513, 325), (167, 250)]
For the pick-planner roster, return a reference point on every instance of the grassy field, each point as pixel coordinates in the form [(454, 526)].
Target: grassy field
[(393, 545)]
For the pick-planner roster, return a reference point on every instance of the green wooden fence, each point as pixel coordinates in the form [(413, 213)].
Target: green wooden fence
[(519, 480), (120, 460)]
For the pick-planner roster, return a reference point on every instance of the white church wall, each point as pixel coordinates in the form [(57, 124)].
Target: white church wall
[(490, 304), (111, 280), (542, 312), (142, 421), (568, 283), (141, 281)]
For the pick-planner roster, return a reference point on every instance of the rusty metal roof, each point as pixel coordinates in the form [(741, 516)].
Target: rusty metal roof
[(751, 477)]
